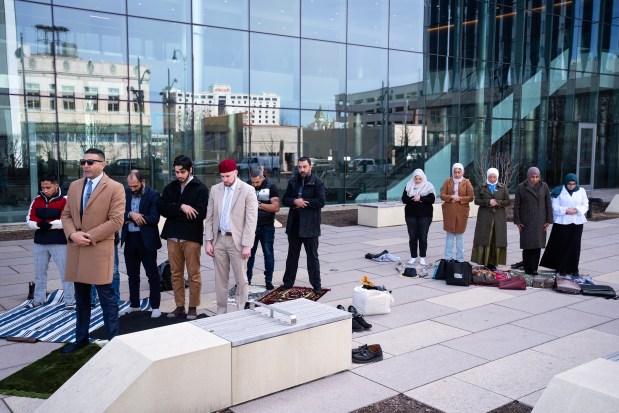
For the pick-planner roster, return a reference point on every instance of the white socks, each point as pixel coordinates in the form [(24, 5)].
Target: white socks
[(422, 260)]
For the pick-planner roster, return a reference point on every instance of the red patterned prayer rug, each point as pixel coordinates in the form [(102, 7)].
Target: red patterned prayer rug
[(279, 295)]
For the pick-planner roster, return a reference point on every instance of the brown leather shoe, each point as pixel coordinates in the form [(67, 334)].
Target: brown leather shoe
[(192, 314), (178, 311)]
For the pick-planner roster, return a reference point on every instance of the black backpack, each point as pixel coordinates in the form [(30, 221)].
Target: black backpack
[(165, 276)]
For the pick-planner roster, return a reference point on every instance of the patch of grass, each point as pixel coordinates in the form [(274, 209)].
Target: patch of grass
[(43, 377)]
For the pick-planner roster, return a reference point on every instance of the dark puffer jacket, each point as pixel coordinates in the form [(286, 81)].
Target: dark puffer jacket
[(48, 210)]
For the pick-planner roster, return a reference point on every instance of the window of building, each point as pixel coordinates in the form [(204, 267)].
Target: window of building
[(68, 98), (113, 100), (52, 97), (92, 99), (33, 96)]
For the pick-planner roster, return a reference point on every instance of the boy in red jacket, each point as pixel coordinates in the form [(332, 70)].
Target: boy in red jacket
[(49, 239)]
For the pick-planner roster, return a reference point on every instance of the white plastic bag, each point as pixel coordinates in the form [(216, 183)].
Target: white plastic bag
[(371, 302)]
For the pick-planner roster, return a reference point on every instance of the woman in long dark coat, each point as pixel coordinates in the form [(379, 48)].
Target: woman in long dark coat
[(490, 241), (532, 216)]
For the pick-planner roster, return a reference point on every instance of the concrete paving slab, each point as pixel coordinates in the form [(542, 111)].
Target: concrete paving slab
[(428, 364), (22, 404), (498, 342), (7, 271), (3, 407), (581, 347), (464, 397), (542, 300), (599, 306), (22, 353), (517, 375), (611, 327), (6, 248), (341, 392), (573, 321), (471, 298), (482, 318), (414, 293), (414, 336), (409, 313), (611, 277)]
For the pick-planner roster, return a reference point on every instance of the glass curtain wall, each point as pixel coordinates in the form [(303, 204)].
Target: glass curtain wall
[(369, 90)]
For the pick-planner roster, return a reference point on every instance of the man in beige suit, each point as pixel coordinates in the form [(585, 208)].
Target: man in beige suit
[(94, 212), (230, 228)]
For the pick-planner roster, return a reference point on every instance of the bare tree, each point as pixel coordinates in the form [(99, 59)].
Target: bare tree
[(508, 168)]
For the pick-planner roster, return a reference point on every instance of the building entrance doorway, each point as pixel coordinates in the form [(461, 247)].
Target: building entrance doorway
[(586, 157)]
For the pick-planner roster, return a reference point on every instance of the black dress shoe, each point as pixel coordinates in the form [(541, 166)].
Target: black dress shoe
[(372, 353), (356, 327), (518, 265), (74, 346), (359, 317), (269, 286), (359, 349)]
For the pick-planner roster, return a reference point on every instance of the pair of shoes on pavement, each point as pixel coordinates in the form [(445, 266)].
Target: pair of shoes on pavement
[(369, 255), (367, 353), (358, 323), (191, 314)]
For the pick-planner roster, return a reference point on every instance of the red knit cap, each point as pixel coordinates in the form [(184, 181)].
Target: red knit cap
[(227, 165)]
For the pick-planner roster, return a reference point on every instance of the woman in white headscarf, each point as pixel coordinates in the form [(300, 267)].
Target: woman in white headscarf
[(418, 196), (457, 194), (490, 241)]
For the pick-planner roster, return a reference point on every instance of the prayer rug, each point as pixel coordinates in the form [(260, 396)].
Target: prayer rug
[(279, 295), (139, 321), (49, 322)]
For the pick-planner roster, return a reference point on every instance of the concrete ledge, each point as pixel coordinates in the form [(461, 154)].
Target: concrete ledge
[(613, 207), (178, 368), (592, 387), (385, 214)]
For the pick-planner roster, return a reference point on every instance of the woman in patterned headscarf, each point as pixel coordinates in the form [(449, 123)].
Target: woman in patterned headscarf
[(490, 241), (418, 196), (457, 194), (569, 205), (532, 216)]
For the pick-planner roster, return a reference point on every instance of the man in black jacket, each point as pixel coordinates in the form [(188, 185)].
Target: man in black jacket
[(140, 235), (305, 196), (184, 203)]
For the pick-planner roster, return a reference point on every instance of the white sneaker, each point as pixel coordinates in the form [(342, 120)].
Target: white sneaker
[(412, 261), (422, 260), (156, 313), (129, 310)]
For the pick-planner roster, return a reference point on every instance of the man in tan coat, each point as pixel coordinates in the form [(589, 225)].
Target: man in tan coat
[(230, 229), (94, 212)]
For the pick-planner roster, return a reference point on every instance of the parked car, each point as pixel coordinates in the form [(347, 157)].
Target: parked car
[(206, 167), (270, 164), (122, 167), (320, 166), (369, 165)]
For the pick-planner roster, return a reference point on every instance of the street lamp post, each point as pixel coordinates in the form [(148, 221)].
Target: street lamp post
[(139, 97), (175, 56), (169, 104), (382, 108)]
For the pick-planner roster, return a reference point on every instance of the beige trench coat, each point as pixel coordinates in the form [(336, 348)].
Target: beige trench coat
[(102, 217)]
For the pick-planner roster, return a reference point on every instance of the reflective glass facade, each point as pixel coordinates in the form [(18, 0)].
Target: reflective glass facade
[(369, 89)]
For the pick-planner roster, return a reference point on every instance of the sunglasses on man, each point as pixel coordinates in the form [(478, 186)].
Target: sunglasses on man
[(89, 161)]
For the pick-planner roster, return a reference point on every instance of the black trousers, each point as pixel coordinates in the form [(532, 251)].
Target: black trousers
[(292, 261), (418, 228), (530, 260), (136, 254)]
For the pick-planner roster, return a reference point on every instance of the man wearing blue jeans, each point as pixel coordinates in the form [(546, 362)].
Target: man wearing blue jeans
[(268, 206), (115, 278)]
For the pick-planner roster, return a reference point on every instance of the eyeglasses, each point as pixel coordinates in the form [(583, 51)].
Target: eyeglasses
[(90, 162)]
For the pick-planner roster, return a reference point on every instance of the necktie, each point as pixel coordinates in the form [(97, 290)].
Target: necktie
[(226, 209), (88, 193)]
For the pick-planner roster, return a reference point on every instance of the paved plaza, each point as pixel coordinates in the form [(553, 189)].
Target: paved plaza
[(456, 349)]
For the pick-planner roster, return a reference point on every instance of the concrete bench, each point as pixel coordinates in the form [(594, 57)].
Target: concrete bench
[(591, 387), (213, 363), (387, 214)]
